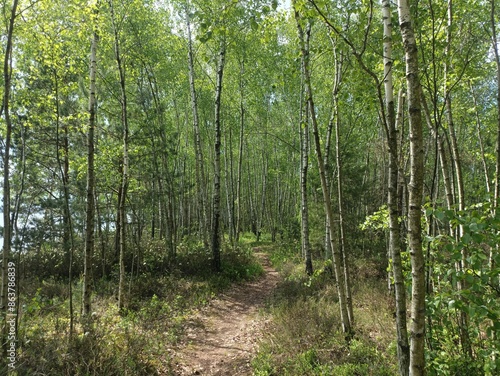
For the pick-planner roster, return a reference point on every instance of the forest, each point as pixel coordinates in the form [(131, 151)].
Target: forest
[(321, 177)]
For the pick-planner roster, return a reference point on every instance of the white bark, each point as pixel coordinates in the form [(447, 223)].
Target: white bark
[(337, 261), (417, 328), (392, 199), (90, 207)]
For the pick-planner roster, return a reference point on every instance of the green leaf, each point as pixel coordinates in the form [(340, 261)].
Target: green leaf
[(466, 238), (253, 24), (439, 215), (469, 278)]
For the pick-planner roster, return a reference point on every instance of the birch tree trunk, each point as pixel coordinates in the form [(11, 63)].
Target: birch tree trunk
[(336, 122), (261, 211), (216, 236), (497, 63), (229, 186), (417, 327), (450, 198), (125, 160), (342, 242), (496, 199), (90, 207), (460, 265), (304, 154), (392, 198), (18, 240), (7, 230), (240, 152), (199, 163), (449, 114), (339, 60), (63, 164), (337, 261)]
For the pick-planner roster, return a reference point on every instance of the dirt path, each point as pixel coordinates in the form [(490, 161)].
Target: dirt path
[(222, 338)]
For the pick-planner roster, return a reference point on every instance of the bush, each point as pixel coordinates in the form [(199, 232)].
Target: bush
[(463, 311)]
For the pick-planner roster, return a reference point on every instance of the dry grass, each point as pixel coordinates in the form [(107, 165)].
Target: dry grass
[(136, 341), (304, 336)]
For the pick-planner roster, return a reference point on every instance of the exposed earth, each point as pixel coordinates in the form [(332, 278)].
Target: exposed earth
[(222, 338)]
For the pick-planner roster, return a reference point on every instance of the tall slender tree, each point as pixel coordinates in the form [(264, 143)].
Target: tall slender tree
[(90, 204), (340, 198), (337, 259), (63, 163), (392, 197), (494, 42), (304, 152), (241, 142), (417, 328), (216, 225), (199, 162), (125, 155), (7, 229)]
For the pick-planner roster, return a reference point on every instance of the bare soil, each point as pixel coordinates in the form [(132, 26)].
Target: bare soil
[(223, 337)]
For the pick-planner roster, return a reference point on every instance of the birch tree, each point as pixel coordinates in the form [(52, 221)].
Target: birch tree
[(392, 197), (199, 162), (7, 230), (304, 153), (125, 157), (241, 143), (216, 235), (494, 42), (340, 193), (90, 204), (337, 259), (417, 327)]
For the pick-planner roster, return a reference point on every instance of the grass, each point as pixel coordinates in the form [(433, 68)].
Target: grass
[(305, 337), (137, 341)]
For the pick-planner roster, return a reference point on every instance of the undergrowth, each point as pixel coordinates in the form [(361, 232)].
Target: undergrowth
[(305, 336), (136, 341)]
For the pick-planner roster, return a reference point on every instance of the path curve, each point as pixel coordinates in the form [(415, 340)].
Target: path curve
[(222, 338)]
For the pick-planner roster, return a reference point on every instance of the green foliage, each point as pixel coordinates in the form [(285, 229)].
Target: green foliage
[(374, 232), (465, 273), (50, 263), (377, 221), (284, 253)]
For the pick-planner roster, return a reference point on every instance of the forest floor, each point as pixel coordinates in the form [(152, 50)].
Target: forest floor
[(222, 338)]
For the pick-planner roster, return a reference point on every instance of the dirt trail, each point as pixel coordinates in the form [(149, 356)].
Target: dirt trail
[(222, 338)]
